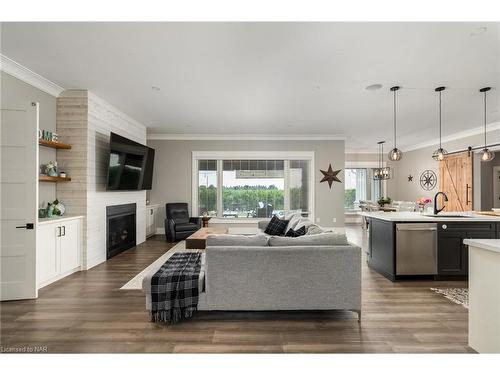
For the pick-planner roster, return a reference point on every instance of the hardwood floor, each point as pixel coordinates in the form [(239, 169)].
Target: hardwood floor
[(86, 312)]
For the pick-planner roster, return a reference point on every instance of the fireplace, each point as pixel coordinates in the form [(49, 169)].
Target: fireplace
[(120, 228)]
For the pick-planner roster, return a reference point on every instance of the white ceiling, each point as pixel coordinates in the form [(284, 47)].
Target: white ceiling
[(273, 78)]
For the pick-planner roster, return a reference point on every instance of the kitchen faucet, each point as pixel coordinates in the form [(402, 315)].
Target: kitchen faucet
[(436, 211)]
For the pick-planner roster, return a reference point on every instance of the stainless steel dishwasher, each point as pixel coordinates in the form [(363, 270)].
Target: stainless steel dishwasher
[(416, 249)]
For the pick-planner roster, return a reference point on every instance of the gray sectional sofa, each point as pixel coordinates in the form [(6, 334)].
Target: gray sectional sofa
[(259, 272)]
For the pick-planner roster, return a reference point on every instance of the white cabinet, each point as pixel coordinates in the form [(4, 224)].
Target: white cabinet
[(151, 211), (58, 249)]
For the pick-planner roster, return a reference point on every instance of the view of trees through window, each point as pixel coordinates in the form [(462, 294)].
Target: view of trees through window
[(252, 188)]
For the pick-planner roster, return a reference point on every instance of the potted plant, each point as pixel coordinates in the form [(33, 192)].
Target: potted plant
[(51, 169), (382, 201)]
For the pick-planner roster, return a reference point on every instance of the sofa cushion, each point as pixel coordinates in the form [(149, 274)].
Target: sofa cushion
[(236, 240), (296, 233), (185, 227), (324, 239), (179, 216), (276, 227)]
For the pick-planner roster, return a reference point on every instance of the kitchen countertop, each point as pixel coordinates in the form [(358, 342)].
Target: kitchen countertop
[(418, 217), (486, 244), (50, 220)]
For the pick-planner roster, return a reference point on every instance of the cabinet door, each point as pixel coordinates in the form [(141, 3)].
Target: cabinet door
[(150, 221), (47, 261), (450, 253), (69, 246)]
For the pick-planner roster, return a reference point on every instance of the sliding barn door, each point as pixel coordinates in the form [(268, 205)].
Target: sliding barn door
[(455, 179)]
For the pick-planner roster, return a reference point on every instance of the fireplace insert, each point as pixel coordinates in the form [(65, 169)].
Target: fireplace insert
[(121, 228)]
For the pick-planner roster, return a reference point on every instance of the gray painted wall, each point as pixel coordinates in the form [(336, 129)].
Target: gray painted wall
[(172, 171), (17, 94)]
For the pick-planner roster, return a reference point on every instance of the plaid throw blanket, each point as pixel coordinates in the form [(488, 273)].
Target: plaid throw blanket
[(174, 288)]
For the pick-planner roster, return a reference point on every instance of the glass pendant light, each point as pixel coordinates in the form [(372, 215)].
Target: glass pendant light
[(395, 154), (439, 154), (487, 155), (381, 173)]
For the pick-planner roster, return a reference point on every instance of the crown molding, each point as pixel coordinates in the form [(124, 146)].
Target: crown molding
[(244, 137), (454, 137), (19, 71)]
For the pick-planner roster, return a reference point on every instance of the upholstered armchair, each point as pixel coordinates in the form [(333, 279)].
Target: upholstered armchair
[(178, 224)]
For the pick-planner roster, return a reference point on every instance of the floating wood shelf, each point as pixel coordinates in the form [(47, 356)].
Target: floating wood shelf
[(43, 142), (53, 179)]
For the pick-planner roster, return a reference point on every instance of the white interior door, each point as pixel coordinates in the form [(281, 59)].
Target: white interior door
[(19, 202)]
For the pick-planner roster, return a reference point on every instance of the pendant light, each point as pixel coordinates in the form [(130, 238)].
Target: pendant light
[(395, 154), (439, 154), (381, 173), (487, 155)]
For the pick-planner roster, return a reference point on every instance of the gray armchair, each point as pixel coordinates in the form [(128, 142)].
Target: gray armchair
[(178, 224)]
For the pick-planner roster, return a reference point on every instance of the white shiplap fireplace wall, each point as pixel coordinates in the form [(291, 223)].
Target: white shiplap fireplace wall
[(88, 160)]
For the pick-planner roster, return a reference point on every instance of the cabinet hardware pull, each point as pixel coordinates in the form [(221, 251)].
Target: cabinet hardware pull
[(64, 230), (58, 231), (27, 226)]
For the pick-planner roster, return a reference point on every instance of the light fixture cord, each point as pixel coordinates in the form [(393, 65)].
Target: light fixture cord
[(440, 147), (395, 119), (485, 119)]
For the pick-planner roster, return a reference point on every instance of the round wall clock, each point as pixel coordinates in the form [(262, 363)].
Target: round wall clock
[(428, 180)]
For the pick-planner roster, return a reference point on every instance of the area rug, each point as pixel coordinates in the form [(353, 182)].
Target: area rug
[(136, 282), (458, 295)]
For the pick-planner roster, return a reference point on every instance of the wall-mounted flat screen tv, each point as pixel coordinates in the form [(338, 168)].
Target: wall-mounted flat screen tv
[(130, 164)]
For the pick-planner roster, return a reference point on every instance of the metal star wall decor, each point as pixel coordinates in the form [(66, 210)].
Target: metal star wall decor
[(330, 175), (410, 178)]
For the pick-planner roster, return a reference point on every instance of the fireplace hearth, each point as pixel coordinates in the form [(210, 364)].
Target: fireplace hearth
[(121, 228)]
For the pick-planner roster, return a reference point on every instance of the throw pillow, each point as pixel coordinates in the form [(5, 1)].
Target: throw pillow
[(296, 233), (276, 227), (292, 222), (314, 229)]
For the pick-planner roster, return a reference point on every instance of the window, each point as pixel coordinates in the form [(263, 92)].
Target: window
[(360, 186), (207, 187), (253, 188), (244, 188), (299, 185), (355, 187)]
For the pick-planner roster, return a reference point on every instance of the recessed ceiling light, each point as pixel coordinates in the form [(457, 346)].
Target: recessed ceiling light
[(478, 30), (373, 87), (155, 88)]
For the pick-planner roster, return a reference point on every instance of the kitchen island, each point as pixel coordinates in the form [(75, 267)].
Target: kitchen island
[(484, 295), (406, 245)]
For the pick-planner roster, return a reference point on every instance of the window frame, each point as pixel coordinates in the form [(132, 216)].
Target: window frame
[(286, 156)]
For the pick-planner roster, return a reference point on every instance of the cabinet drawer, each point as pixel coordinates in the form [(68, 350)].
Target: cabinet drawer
[(466, 227)]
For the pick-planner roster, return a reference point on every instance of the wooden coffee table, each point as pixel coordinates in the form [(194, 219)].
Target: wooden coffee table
[(198, 239)]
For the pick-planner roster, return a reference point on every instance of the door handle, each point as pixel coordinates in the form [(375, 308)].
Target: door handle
[(64, 230), (58, 232), (467, 187), (27, 226)]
